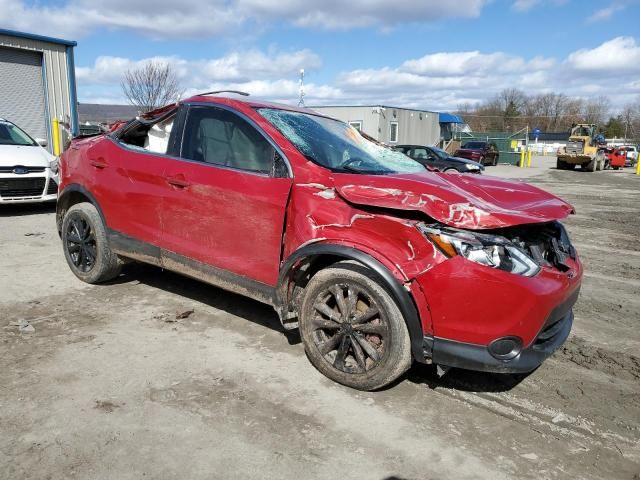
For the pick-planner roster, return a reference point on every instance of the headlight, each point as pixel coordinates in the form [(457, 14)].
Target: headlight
[(470, 166), (491, 251), (53, 165)]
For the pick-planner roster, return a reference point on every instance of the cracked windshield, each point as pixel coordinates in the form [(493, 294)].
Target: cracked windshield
[(336, 145)]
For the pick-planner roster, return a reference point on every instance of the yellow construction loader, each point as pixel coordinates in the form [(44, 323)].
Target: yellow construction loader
[(583, 148)]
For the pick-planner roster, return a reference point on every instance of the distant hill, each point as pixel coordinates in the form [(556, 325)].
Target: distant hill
[(99, 113)]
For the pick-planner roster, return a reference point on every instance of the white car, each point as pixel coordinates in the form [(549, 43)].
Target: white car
[(28, 173), (632, 154)]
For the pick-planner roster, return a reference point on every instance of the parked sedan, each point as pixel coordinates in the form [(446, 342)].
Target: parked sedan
[(28, 173), (485, 153), (436, 158), (354, 245)]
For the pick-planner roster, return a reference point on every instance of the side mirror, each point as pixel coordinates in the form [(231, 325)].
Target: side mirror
[(41, 141)]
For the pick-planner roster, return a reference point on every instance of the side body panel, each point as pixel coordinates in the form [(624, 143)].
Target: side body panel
[(230, 219)]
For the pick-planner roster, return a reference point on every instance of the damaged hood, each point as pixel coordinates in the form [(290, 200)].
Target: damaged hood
[(464, 201)]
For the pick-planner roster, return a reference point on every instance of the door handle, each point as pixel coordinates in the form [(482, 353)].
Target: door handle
[(178, 182), (98, 163)]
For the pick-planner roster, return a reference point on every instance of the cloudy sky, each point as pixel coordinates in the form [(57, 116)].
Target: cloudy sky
[(433, 54)]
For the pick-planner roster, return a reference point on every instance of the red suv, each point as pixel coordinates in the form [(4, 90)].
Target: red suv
[(375, 260), (485, 153)]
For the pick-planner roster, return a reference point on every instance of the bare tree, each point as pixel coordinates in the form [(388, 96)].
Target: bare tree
[(596, 110), (150, 86)]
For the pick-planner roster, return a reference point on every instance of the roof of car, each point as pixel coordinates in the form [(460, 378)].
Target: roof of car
[(413, 146), (231, 101)]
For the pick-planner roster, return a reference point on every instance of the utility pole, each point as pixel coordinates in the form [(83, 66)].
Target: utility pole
[(302, 94)]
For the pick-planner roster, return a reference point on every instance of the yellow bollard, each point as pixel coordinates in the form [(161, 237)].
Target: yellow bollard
[(522, 158), (638, 165), (55, 127), (529, 159)]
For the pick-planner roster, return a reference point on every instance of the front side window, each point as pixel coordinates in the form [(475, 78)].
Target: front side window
[(393, 132), (220, 137), (12, 135), (336, 145)]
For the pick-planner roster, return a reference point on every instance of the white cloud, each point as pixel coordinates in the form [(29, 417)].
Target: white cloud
[(210, 18), (340, 14), (437, 81), (242, 66), (621, 54), (524, 6)]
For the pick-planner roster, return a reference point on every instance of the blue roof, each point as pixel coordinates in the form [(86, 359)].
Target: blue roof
[(42, 38), (450, 118)]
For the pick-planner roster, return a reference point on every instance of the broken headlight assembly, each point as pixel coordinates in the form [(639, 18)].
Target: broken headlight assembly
[(492, 251)]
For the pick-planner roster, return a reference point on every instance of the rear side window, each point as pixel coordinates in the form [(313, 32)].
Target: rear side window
[(220, 137)]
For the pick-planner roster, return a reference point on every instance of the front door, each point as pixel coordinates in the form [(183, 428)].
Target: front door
[(227, 206)]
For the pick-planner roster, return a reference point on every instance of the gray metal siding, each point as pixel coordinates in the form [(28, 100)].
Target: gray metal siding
[(22, 93), (414, 126), (57, 94)]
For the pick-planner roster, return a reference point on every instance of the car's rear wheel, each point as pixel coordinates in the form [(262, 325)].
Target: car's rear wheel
[(352, 329), (85, 245)]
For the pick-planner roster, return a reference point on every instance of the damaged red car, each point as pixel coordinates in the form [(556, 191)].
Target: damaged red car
[(377, 262)]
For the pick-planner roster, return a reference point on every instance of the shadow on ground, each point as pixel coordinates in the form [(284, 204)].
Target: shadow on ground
[(237, 305), (265, 316), (21, 209), (464, 380)]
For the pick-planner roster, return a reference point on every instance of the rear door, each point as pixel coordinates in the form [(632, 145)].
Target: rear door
[(227, 203)]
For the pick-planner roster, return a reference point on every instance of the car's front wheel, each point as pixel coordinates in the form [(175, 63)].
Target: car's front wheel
[(85, 245), (352, 329)]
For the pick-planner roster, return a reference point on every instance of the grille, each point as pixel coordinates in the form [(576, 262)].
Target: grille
[(26, 169), (53, 187), (575, 146), (22, 187)]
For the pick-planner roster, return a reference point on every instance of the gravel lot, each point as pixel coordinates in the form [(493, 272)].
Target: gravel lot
[(112, 385)]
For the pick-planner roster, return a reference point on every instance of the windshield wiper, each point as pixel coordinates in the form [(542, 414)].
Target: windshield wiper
[(350, 168)]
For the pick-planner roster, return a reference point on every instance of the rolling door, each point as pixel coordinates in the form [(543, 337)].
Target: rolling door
[(22, 90)]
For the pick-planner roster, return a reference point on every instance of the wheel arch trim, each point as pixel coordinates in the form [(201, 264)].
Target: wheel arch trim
[(61, 204), (392, 284)]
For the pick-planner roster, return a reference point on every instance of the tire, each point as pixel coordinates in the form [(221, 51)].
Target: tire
[(85, 245), (376, 350), (561, 165), (450, 170)]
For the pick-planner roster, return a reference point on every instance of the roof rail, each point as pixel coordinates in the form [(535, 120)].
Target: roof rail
[(215, 92)]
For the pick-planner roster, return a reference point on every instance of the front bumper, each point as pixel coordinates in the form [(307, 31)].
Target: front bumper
[(470, 306), (477, 357)]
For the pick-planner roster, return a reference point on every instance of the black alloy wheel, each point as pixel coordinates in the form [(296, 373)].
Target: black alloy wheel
[(81, 243), (349, 329)]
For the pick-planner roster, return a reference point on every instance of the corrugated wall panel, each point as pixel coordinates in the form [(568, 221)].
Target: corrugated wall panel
[(22, 93), (57, 92)]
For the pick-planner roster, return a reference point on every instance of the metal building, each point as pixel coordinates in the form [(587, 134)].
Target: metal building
[(389, 125), (38, 84)]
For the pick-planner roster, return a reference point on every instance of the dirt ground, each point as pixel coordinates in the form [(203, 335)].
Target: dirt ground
[(111, 385)]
